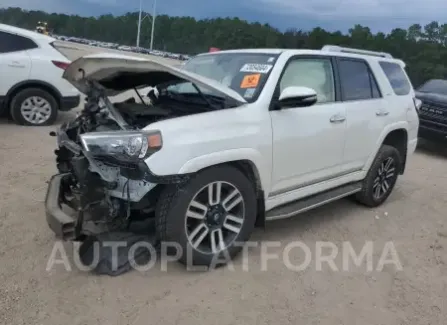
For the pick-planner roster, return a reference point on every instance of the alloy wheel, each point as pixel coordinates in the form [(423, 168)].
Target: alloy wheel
[(215, 217), (385, 178)]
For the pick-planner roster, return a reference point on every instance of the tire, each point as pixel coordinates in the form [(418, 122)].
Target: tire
[(44, 102), (380, 176), (173, 224)]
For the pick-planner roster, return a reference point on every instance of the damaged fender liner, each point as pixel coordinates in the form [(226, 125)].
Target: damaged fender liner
[(165, 179), (140, 171), (64, 225)]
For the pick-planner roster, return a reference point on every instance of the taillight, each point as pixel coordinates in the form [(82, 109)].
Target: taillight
[(417, 104), (60, 64)]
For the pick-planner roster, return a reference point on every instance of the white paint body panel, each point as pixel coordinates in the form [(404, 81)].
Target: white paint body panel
[(296, 152)]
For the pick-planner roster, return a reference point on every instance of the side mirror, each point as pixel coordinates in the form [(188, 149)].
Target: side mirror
[(297, 97)]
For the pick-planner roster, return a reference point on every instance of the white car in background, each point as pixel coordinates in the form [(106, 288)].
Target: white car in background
[(32, 90)]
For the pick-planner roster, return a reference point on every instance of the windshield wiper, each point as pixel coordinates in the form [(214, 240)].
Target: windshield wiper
[(204, 97)]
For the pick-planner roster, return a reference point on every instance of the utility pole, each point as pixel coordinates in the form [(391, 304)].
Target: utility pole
[(139, 25), (153, 24), (141, 19)]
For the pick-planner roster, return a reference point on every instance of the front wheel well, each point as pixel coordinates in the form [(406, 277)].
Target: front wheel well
[(249, 169), (399, 140), (32, 84)]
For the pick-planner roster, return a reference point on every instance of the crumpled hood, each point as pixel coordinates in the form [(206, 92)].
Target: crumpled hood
[(118, 73)]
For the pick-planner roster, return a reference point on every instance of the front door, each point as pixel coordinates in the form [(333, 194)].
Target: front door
[(308, 142)]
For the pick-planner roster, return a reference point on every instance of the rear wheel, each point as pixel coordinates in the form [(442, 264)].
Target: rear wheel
[(381, 177), (210, 217), (34, 107)]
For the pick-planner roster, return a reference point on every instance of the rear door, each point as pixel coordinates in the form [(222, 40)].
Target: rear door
[(403, 99), (15, 63), (366, 111)]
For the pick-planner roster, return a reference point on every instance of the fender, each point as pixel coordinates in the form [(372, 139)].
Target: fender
[(389, 128), (198, 163), (33, 83)]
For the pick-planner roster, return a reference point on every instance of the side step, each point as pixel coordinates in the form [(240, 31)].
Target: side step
[(290, 209)]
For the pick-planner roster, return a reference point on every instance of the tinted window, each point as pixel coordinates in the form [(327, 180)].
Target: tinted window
[(313, 73), (397, 78), (13, 43), (436, 86), (357, 82)]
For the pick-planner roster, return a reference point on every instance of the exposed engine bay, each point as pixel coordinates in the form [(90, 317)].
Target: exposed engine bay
[(110, 189), (102, 154)]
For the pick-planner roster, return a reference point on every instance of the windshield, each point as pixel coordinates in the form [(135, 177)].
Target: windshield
[(436, 86), (246, 73)]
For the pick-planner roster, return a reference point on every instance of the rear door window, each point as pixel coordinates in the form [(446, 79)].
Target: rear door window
[(357, 81), (13, 43), (397, 78)]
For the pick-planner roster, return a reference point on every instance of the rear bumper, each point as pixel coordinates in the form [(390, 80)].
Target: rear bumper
[(69, 102), (62, 224)]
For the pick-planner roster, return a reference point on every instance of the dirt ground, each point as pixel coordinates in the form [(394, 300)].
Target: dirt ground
[(414, 219)]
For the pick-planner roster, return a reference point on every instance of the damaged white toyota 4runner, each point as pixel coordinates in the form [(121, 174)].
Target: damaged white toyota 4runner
[(229, 140)]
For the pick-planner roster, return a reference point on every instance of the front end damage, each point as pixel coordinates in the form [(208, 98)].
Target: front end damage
[(95, 193), (103, 182)]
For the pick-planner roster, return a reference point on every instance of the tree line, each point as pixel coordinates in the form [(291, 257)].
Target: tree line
[(423, 48)]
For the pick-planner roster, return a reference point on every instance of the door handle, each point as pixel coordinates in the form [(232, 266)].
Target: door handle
[(337, 118), (382, 113), (16, 65)]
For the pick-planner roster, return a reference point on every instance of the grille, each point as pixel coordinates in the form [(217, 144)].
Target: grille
[(434, 111)]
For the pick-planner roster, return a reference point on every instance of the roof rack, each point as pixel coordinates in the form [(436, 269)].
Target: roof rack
[(336, 48)]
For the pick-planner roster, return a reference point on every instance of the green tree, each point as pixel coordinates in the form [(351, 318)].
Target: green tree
[(423, 49)]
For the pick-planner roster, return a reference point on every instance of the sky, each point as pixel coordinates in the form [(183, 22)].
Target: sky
[(379, 15)]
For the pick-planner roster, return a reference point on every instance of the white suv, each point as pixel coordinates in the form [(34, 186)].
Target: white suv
[(32, 90), (230, 140)]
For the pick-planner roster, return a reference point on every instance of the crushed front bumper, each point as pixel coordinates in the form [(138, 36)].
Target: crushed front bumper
[(62, 224)]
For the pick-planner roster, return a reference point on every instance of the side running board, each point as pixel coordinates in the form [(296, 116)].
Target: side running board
[(290, 209)]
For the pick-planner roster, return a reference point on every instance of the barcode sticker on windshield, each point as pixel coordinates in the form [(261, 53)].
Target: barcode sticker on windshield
[(256, 68)]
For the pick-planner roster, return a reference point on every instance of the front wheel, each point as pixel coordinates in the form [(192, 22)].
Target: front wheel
[(381, 177), (209, 217)]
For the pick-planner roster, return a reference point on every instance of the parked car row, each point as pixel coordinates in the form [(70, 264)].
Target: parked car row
[(32, 90), (127, 48)]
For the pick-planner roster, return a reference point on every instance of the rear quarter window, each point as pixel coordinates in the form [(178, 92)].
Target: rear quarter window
[(13, 43), (397, 78)]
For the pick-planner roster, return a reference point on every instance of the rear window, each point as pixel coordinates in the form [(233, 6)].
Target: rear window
[(13, 43), (397, 78)]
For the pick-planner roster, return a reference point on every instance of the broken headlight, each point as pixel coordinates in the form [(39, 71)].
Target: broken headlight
[(122, 145)]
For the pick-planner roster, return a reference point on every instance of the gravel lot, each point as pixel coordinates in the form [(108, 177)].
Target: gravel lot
[(413, 218)]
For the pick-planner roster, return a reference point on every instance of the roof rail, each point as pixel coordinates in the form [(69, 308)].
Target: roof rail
[(336, 48)]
